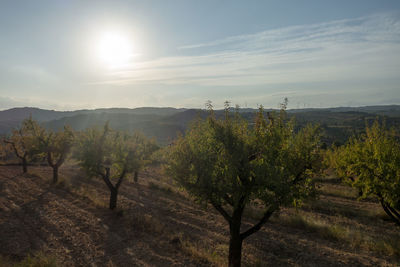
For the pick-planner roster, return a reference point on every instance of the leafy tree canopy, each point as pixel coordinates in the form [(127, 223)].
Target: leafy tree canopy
[(53, 146), (112, 155), (371, 163), (230, 164), (23, 142)]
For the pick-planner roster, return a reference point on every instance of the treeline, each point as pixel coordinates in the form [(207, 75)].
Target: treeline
[(229, 164)]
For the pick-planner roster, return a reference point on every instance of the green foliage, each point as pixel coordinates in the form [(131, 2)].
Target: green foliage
[(223, 160), (5, 150), (53, 146), (23, 142), (112, 155), (123, 153), (38, 260), (229, 164), (22, 139), (371, 163)]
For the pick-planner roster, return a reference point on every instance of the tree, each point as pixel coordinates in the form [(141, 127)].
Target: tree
[(111, 155), (22, 142), (371, 163), (229, 165), (5, 150), (54, 146), (57, 146), (148, 147)]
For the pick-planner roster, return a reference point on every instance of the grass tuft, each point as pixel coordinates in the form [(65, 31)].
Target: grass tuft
[(37, 260), (146, 223), (93, 195), (165, 189), (355, 238), (338, 191), (215, 256)]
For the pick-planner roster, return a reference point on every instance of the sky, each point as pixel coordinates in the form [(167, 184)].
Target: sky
[(181, 53)]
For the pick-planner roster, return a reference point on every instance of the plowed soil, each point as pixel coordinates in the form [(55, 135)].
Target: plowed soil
[(158, 225)]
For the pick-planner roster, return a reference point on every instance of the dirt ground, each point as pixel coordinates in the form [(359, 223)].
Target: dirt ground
[(158, 225)]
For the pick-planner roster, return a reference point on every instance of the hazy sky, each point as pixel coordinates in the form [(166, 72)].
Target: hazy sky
[(182, 53)]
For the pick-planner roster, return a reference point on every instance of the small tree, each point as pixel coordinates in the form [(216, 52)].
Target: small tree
[(110, 155), (22, 142), (54, 146), (230, 165), (371, 163), (5, 149), (57, 147), (148, 147)]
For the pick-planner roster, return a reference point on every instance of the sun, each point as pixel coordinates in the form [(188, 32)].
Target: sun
[(114, 49)]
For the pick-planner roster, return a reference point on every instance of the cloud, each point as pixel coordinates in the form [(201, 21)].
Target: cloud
[(344, 50)]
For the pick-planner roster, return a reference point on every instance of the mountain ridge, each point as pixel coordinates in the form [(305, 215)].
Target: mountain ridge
[(164, 124)]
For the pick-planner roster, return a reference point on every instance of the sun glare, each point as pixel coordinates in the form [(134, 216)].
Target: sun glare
[(114, 50)]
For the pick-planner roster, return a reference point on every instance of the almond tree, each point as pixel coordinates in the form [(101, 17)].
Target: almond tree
[(22, 142), (5, 150), (111, 155), (53, 146), (371, 163), (229, 165)]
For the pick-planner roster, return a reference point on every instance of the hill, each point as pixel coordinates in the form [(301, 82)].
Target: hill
[(42, 115), (11, 118), (338, 124)]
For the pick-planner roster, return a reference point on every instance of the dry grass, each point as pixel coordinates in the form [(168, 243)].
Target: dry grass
[(162, 188), (145, 223), (331, 208), (38, 259), (338, 191), (215, 256), (155, 226), (355, 238), (91, 194)]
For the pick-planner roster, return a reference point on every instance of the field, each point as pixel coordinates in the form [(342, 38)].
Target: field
[(156, 224)]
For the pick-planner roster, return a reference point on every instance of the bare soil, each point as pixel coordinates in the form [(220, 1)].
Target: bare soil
[(158, 225)]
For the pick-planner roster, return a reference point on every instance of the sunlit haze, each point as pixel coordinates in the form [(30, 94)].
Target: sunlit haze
[(68, 55)]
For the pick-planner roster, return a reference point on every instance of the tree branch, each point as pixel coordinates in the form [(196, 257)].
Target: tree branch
[(50, 159), (106, 179), (14, 147), (388, 212), (254, 156), (258, 226), (121, 177), (221, 210), (61, 159), (394, 211), (228, 199), (299, 175)]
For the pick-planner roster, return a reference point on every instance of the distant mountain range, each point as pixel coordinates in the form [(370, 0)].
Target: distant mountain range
[(165, 123)]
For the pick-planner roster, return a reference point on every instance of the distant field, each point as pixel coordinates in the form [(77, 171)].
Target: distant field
[(158, 225)]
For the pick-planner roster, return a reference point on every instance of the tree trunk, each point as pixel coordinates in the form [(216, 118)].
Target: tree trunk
[(24, 165), (392, 215), (135, 176), (235, 241), (55, 174), (113, 198), (235, 250)]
